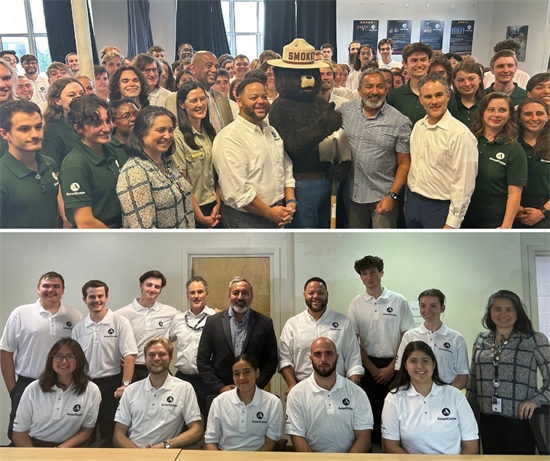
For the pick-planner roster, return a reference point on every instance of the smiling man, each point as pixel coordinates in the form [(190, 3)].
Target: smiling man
[(317, 320), (235, 331), (24, 88), (444, 160), (504, 67), (147, 316), (106, 339), (28, 180), (72, 62), (326, 412), (255, 173), (153, 412), (30, 333), (538, 86), (187, 329), (385, 48)]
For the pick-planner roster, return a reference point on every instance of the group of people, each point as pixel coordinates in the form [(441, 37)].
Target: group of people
[(369, 377), (149, 145)]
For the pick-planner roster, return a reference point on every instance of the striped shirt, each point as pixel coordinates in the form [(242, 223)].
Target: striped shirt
[(374, 142)]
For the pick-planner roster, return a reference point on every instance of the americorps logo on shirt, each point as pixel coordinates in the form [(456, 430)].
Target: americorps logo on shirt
[(346, 402), (499, 157), (446, 347), (76, 410), (75, 187), (68, 326), (447, 413), (260, 418), (389, 311), (335, 326), (161, 325), (275, 136), (170, 403), (110, 333)]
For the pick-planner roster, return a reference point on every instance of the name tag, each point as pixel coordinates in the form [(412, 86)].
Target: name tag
[(197, 154)]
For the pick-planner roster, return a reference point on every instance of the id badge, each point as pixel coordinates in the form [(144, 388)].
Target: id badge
[(496, 404)]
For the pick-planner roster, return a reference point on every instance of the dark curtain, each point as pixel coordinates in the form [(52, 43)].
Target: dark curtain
[(200, 23), (60, 28), (140, 37), (280, 24), (316, 22)]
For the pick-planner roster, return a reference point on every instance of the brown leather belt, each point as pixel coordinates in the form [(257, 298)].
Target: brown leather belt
[(308, 176)]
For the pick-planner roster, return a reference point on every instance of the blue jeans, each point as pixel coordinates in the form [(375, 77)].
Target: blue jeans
[(313, 211)]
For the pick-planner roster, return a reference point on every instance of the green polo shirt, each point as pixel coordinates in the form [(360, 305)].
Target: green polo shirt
[(518, 95), (118, 148), (406, 101), (89, 180), (28, 198), (3, 146), (500, 165), (466, 115), (59, 139), (538, 174)]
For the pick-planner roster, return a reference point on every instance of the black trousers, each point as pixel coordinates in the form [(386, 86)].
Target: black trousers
[(15, 396), (107, 408), (506, 436), (140, 372), (376, 394), (485, 212), (201, 389)]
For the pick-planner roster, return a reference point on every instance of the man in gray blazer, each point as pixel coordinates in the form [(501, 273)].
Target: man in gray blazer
[(205, 71)]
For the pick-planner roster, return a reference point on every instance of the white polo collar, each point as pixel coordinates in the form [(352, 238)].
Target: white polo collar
[(385, 294), (107, 320), (436, 390), (43, 311), (139, 308), (443, 330), (339, 384), (167, 385), (256, 400)]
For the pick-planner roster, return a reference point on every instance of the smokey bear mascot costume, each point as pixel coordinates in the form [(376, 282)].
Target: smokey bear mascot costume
[(303, 120)]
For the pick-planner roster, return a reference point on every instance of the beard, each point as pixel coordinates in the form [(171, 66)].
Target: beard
[(249, 110), (158, 369), (239, 309), (327, 372), (351, 58), (373, 104), (309, 304)]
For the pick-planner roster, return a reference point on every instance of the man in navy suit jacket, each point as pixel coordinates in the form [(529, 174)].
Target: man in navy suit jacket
[(233, 332)]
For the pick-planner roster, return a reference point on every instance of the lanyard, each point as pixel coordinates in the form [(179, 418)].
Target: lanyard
[(195, 327), (496, 351)]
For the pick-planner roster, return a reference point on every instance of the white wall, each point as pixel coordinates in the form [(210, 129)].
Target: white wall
[(491, 18), (467, 267)]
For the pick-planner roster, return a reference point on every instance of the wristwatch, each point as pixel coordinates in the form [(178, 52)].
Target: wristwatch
[(166, 444), (545, 211), (393, 195), (125, 383)]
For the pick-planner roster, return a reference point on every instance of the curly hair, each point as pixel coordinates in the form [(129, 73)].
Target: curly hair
[(510, 129), (85, 110), (53, 110), (114, 85)]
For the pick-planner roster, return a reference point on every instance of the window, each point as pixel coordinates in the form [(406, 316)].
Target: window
[(244, 24), (24, 30)]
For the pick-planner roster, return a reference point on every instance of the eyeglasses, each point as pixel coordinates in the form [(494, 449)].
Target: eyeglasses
[(148, 71), (59, 358), (127, 116)]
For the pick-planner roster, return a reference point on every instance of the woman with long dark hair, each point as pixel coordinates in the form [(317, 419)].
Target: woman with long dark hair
[(60, 136), (245, 418), (193, 153), (503, 376), (152, 190), (502, 165), (534, 136), (60, 408), (422, 414)]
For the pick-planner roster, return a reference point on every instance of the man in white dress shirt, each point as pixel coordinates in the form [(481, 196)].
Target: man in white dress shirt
[(186, 329), (154, 411), (148, 317), (30, 333), (316, 321), (255, 173), (444, 159), (106, 338), (326, 412)]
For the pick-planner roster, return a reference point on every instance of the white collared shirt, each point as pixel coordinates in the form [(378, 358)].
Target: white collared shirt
[(105, 343), (328, 419), (380, 322), (235, 426), (56, 416), (158, 96), (337, 100), (449, 348), (147, 323), (302, 329), (251, 162), (186, 329), (155, 415), (434, 424), (444, 161), (31, 331), (390, 65)]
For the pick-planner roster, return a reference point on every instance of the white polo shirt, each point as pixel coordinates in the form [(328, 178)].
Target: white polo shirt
[(152, 415), (147, 323), (380, 322), (186, 329), (300, 331), (56, 416), (449, 348), (105, 343), (235, 426), (434, 424), (32, 331), (390, 65), (327, 419)]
